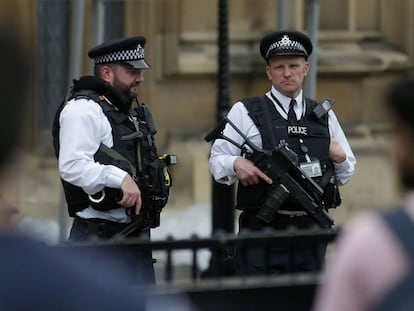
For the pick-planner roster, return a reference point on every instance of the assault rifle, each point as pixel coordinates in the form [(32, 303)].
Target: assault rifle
[(289, 180)]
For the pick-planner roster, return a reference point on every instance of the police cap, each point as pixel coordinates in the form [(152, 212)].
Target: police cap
[(285, 42), (125, 50)]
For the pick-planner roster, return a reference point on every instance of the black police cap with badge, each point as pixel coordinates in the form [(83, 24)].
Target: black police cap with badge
[(126, 50), (285, 42)]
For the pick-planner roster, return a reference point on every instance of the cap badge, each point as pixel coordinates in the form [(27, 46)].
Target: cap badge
[(140, 51), (285, 40)]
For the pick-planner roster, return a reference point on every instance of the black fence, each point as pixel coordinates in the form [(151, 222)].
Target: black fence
[(216, 289)]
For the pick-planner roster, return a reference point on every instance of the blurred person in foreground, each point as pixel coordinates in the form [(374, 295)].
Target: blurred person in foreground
[(372, 264), (34, 276), (282, 117)]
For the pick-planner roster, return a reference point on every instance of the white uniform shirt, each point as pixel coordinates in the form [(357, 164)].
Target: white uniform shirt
[(83, 127), (223, 153)]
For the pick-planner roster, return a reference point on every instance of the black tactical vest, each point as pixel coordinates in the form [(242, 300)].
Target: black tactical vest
[(122, 128), (312, 131)]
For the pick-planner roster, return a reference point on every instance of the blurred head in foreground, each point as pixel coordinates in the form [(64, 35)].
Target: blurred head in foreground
[(14, 83), (400, 102)]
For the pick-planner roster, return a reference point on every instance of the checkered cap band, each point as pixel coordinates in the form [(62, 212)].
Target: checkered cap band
[(123, 55), (286, 44)]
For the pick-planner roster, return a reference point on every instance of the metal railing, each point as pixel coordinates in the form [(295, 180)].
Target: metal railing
[(220, 243), (219, 291)]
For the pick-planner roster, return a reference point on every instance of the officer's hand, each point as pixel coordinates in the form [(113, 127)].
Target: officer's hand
[(131, 195), (336, 153), (248, 173)]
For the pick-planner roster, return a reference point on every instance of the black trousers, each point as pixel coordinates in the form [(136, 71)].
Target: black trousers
[(277, 257), (135, 264)]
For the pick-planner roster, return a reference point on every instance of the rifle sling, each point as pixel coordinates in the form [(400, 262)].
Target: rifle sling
[(117, 156)]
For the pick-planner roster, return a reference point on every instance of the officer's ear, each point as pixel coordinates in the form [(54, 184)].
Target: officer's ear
[(306, 68), (107, 73), (268, 73)]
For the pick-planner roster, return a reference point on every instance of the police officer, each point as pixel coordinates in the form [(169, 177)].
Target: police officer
[(283, 116), (102, 136)]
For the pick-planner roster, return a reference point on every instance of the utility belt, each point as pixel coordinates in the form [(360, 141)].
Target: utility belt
[(292, 213), (282, 221), (102, 228), (288, 208)]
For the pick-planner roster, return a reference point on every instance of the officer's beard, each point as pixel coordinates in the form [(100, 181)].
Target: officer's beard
[(126, 92), (128, 96)]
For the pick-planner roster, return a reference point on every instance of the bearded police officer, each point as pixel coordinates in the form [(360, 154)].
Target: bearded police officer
[(282, 117), (103, 137)]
